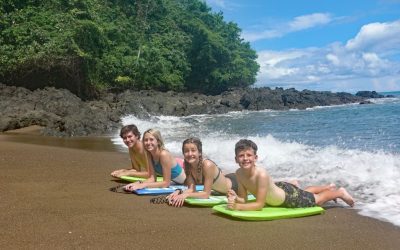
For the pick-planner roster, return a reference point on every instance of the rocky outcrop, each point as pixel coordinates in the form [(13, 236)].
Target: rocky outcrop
[(64, 114), (369, 94)]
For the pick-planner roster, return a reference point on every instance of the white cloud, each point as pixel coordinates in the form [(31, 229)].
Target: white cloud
[(360, 61), (309, 21), (377, 37), (280, 29)]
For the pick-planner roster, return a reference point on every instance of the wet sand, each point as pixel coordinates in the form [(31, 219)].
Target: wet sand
[(54, 195)]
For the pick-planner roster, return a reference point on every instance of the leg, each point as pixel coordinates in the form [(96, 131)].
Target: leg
[(319, 189), (328, 195)]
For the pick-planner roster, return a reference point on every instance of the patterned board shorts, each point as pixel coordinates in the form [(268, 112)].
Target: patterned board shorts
[(296, 197)]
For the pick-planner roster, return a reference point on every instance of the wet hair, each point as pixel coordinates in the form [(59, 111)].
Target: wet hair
[(188, 167), (244, 144), (129, 128), (157, 135)]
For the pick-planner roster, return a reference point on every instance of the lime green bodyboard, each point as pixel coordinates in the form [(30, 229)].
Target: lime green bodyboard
[(269, 213), (134, 178), (212, 200)]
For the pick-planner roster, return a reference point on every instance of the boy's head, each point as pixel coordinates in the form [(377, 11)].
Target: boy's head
[(245, 144), (129, 128)]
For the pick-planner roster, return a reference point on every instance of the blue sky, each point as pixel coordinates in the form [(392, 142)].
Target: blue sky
[(335, 45)]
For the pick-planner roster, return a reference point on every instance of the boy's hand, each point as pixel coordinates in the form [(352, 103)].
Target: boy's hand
[(231, 200)]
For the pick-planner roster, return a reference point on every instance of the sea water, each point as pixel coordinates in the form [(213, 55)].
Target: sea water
[(354, 146)]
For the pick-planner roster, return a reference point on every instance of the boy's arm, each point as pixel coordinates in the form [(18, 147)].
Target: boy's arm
[(261, 186)]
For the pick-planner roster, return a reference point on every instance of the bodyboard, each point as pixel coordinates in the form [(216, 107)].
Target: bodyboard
[(134, 178), (269, 213), (167, 190), (212, 200)]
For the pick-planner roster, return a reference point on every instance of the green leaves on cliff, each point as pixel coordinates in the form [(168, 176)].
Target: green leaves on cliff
[(142, 44)]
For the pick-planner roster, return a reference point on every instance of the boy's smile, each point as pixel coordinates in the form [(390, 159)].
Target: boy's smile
[(246, 158), (129, 139)]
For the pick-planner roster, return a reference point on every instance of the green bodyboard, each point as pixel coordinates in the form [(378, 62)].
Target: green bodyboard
[(269, 213), (212, 200), (133, 178)]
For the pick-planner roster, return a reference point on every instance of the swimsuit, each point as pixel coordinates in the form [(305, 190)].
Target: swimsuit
[(231, 176), (202, 181), (175, 171), (295, 197)]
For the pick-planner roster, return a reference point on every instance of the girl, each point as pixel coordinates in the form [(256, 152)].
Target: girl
[(161, 162), (201, 171)]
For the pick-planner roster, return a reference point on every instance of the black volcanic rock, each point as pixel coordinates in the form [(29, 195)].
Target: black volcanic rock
[(64, 114), (369, 94)]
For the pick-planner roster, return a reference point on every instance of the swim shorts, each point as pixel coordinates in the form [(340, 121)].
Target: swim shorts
[(296, 197)]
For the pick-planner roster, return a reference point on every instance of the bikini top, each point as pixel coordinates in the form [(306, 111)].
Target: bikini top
[(202, 177), (175, 171)]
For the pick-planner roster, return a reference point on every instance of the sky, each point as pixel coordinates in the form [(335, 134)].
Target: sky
[(325, 45)]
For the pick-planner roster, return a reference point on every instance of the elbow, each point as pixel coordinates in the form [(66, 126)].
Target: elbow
[(258, 206)]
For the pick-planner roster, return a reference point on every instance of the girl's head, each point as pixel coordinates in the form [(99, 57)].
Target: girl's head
[(195, 141), (193, 156), (153, 133)]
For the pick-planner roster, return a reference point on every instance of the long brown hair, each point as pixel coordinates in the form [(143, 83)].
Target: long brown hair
[(188, 167)]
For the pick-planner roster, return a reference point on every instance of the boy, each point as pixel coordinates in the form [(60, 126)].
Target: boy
[(257, 181), (131, 137)]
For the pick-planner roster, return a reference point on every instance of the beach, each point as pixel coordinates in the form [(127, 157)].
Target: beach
[(55, 195)]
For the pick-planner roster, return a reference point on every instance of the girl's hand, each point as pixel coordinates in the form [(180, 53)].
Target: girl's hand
[(118, 173), (172, 196), (134, 186), (178, 200)]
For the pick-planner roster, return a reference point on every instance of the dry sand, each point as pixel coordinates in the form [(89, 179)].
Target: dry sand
[(54, 195)]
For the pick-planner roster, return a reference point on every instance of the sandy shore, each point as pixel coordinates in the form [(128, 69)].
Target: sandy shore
[(54, 195)]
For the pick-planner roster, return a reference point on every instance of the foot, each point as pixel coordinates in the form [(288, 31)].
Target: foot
[(346, 197)]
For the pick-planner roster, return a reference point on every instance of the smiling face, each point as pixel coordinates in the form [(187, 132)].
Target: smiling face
[(246, 158), (150, 142), (130, 139), (191, 153)]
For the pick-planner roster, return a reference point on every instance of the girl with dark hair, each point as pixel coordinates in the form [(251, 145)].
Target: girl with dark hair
[(201, 171)]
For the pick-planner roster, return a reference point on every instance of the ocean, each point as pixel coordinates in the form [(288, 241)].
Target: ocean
[(354, 146)]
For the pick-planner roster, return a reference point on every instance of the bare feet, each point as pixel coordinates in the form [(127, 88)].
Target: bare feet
[(346, 197)]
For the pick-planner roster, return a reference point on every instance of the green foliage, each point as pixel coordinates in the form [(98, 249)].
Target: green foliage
[(117, 44)]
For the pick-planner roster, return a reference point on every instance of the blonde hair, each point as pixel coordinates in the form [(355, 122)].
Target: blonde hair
[(157, 135)]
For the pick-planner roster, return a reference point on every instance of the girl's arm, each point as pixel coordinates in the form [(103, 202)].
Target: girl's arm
[(208, 174), (167, 162), (178, 197), (209, 169)]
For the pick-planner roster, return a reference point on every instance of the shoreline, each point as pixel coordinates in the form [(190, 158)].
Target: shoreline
[(56, 196)]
